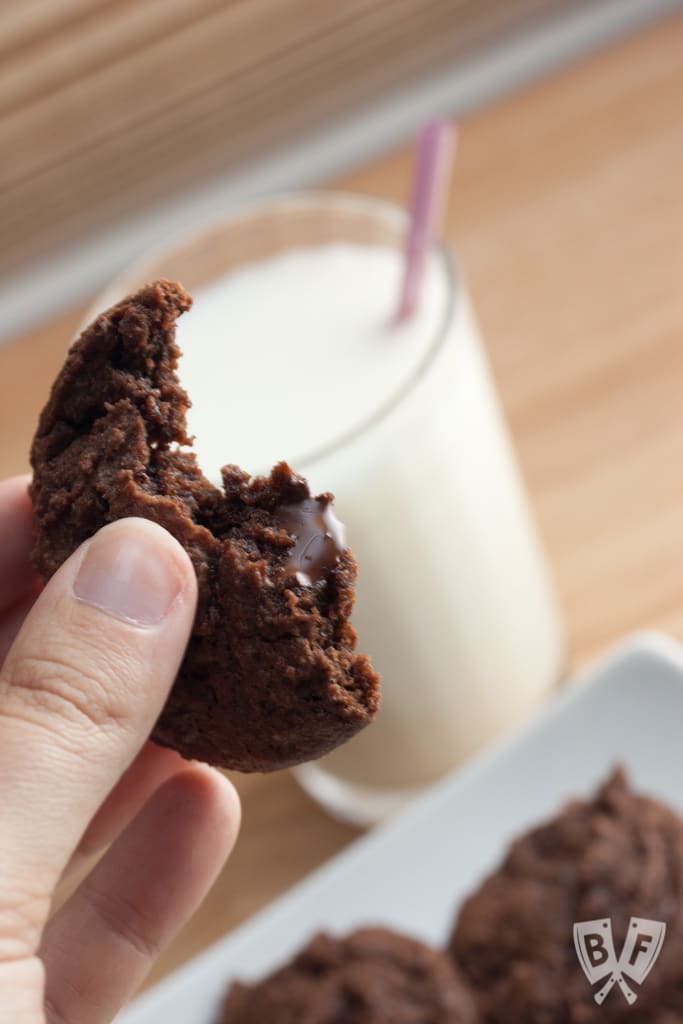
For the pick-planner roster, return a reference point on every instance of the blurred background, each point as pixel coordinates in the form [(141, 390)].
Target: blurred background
[(125, 120)]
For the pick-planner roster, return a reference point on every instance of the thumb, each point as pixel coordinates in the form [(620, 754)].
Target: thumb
[(80, 691)]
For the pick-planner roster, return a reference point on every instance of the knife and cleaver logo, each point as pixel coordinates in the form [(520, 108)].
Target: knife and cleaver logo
[(594, 944)]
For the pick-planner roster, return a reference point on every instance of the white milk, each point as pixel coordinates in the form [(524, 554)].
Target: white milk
[(307, 337), (286, 358)]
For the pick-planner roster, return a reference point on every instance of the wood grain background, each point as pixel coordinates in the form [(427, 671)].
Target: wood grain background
[(106, 105)]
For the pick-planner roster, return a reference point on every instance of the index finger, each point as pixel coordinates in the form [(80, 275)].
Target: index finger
[(17, 575)]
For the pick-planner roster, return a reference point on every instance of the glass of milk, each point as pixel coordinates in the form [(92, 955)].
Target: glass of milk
[(291, 352)]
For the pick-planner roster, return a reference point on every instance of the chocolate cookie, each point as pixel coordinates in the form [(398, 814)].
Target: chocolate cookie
[(374, 976), (616, 856), (271, 677)]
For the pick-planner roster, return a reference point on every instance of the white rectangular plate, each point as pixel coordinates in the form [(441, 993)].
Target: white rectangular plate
[(413, 872)]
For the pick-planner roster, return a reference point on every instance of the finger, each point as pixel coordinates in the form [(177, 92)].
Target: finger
[(17, 574), (151, 768), (79, 691), (137, 897), (13, 619)]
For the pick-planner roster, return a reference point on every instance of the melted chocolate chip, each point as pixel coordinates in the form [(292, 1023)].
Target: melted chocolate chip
[(319, 538)]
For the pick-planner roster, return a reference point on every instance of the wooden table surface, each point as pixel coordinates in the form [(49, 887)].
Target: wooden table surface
[(567, 213), (134, 99)]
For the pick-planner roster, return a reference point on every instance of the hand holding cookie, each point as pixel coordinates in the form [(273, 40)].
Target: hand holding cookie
[(271, 676), (86, 666)]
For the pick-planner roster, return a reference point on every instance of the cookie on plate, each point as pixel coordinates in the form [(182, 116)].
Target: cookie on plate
[(373, 976), (614, 857)]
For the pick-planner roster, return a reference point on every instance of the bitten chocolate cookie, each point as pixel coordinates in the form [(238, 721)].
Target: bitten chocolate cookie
[(271, 677), (374, 976), (616, 856)]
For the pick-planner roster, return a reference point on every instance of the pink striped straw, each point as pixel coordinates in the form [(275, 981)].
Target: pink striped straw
[(435, 151)]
